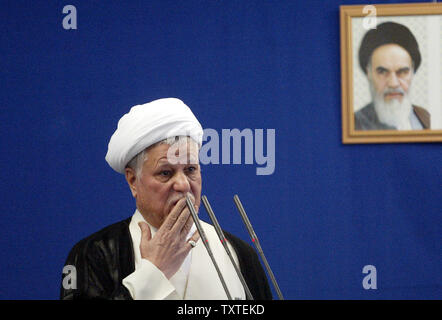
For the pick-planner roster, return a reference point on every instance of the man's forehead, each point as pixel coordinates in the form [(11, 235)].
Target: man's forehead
[(184, 153), (391, 54), (187, 158)]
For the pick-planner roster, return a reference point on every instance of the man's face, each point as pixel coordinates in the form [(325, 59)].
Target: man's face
[(391, 72), (162, 182)]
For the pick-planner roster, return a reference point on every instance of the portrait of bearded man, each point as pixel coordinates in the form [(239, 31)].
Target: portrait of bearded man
[(389, 56)]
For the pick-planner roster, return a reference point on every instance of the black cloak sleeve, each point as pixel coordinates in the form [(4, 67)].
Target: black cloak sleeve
[(101, 262), (251, 268)]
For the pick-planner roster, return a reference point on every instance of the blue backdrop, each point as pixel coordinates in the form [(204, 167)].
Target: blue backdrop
[(327, 211)]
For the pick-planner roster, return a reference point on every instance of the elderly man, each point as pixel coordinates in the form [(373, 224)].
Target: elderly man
[(156, 253), (389, 56)]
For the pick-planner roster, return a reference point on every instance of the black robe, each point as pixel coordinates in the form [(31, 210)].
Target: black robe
[(367, 119), (106, 257)]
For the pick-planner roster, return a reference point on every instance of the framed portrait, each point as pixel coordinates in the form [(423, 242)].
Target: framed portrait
[(391, 69)]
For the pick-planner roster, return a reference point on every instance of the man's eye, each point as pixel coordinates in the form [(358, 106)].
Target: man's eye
[(403, 72), (165, 173), (191, 169)]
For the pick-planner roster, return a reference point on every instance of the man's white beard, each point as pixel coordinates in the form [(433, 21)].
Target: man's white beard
[(394, 113)]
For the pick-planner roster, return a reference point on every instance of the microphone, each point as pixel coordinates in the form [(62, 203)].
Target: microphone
[(256, 242), (206, 244), (226, 247)]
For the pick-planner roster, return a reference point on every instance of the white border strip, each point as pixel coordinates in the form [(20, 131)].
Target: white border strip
[(434, 27)]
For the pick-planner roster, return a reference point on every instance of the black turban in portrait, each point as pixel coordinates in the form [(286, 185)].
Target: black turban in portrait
[(387, 33)]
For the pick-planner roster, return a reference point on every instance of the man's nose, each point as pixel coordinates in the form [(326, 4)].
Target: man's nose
[(181, 183), (393, 81)]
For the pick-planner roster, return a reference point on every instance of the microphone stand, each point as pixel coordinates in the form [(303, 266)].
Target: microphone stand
[(206, 244), (226, 247), (257, 245)]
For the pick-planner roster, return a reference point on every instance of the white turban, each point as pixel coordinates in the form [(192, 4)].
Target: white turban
[(147, 124)]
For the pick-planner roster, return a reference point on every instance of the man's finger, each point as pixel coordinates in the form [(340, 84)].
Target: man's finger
[(146, 235), (185, 220), (195, 237), (174, 214), (181, 221), (188, 225)]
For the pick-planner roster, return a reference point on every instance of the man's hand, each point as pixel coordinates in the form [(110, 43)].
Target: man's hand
[(168, 249)]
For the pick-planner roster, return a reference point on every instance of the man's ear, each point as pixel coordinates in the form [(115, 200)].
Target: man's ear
[(131, 179)]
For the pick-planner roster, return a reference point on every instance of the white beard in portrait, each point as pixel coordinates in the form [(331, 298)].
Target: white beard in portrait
[(394, 113)]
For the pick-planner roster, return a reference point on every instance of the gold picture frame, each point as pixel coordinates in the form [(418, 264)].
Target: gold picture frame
[(355, 22)]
